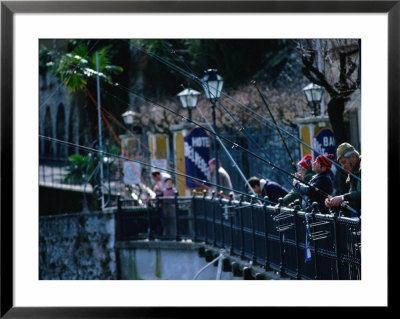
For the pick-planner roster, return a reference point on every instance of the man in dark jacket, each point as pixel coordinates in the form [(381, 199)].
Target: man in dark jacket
[(350, 160), (266, 187), (320, 184), (305, 173)]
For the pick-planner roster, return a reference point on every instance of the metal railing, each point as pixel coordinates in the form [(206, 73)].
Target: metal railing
[(276, 239)]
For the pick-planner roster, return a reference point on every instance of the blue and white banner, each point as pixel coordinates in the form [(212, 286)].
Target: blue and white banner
[(324, 142), (197, 155)]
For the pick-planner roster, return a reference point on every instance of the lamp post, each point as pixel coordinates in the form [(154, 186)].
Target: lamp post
[(189, 98), (99, 125), (313, 93), (129, 117), (212, 85)]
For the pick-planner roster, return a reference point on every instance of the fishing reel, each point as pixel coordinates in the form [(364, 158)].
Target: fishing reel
[(284, 221), (229, 209), (316, 232)]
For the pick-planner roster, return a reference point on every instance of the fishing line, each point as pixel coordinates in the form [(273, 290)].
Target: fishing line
[(229, 155), (201, 83), (259, 147), (203, 182), (238, 146), (63, 82), (143, 145)]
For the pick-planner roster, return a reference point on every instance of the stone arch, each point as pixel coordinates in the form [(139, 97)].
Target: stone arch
[(61, 134), (73, 129), (47, 130)]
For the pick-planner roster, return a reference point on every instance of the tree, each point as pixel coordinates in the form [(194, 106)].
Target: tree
[(338, 77)]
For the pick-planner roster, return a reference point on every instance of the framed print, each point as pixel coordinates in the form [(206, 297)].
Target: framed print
[(26, 292)]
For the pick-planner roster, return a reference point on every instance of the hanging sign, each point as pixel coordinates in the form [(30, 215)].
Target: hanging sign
[(197, 155), (324, 142)]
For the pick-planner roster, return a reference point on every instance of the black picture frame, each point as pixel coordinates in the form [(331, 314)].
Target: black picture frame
[(9, 8)]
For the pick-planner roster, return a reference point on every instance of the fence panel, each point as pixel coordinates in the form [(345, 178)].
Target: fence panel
[(273, 239)]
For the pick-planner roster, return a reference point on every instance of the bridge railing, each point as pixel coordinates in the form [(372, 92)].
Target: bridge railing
[(276, 239)]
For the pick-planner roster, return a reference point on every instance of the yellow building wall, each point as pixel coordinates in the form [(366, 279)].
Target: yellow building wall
[(180, 163), (306, 138), (161, 147)]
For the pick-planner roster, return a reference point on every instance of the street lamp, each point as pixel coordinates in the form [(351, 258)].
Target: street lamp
[(212, 85), (129, 117), (313, 93), (189, 98)]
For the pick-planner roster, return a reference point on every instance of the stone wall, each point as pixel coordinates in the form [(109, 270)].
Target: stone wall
[(77, 246)]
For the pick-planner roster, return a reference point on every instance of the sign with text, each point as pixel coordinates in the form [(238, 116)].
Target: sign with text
[(324, 143), (197, 155)]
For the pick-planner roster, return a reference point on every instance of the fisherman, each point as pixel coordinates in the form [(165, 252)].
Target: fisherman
[(350, 160), (224, 179), (266, 187), (320, 184), (305, 173)]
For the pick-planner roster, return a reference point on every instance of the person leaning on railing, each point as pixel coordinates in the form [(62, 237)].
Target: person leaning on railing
[(265, 187), (350, 160), (320, 184), (305, 173)]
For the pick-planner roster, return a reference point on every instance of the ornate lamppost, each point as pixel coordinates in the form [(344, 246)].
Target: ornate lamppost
[(313, 93), (212, 85), (189, 98)]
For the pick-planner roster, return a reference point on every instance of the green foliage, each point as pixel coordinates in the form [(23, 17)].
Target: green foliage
[(79, 65), (79, 168)]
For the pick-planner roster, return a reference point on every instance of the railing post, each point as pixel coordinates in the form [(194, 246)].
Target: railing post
[(317, 270), (214, 242), (118, 219), (296, 208), (337, 248), (149, 228), (267, 265), (205, 217), (117, 237), (241, 229), (222, 222), (253, 231), (194, 216), (178, 238), (282, 264), (231, 222)]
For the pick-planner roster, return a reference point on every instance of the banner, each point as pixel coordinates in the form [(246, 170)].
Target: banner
[(324, 143), (197, 155)]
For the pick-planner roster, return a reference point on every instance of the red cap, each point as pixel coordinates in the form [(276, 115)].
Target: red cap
[(305, 161), (323, 160)]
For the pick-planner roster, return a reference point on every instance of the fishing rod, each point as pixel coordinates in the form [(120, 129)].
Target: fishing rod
[(217, 138), (276, 125), (201, 82), (305, 183), (230, 156), (41, 104), (242, 129), (235, 145), (203, 182)]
